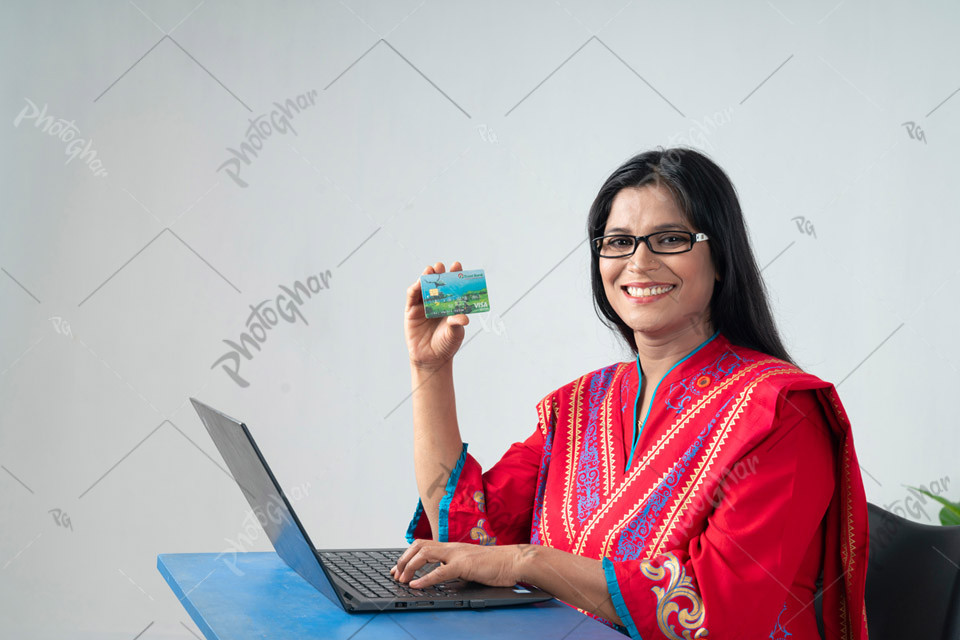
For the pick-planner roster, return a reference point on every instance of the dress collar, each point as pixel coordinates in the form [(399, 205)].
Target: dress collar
[(637, 430), (680, 361)]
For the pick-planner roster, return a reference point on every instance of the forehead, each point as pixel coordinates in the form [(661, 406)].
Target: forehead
[(644, 208)]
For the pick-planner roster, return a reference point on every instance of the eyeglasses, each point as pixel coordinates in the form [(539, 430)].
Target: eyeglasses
[(623, 246)]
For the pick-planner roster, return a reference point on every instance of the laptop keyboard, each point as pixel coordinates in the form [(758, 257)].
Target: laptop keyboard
[(368, 572)]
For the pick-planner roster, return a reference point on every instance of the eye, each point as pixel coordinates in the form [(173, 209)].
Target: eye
[(618, 241)]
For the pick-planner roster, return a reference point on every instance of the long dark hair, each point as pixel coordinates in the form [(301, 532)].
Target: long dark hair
[(708, 200)]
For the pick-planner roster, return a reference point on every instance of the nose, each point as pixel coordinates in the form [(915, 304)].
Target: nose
[(643, 258)]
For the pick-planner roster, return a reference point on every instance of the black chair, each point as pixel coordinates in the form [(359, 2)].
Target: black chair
[(913, 579)]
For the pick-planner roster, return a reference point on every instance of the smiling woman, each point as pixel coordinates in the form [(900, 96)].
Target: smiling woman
[(706, 488)]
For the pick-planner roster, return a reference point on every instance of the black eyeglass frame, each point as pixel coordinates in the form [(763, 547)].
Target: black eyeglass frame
[(694, 239)]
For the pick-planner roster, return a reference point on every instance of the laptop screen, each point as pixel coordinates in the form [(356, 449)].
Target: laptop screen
[(269, 504)]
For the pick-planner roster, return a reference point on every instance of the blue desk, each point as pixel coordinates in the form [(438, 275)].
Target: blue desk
[(258, 596)]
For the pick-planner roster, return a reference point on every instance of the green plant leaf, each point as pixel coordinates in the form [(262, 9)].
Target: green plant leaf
[(949, 518), (950, 514)]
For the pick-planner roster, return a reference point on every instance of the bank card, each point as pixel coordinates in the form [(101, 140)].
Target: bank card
[(453, 292)]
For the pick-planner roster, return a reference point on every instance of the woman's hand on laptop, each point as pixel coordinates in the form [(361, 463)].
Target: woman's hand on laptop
[(494, 565)]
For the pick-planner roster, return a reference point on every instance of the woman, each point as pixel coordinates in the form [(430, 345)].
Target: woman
[(702, 490)]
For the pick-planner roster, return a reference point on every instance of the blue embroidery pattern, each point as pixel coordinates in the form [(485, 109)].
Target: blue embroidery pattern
[(780, 633), (588, 463), (624, 394), (683, 391), (633, 537)]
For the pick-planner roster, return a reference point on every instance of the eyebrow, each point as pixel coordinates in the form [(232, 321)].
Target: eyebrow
[(659, 227)]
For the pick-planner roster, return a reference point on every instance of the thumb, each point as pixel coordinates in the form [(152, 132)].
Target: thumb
[(459, 319)]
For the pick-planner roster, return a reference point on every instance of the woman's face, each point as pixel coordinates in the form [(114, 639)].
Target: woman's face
[(685, 280)]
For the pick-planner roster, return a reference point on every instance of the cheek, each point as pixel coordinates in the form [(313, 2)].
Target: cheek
[(704, 279), (609, 277), (606, 275)]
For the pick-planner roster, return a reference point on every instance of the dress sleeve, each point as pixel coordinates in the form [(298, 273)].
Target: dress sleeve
[(487, 507), (733, 579)]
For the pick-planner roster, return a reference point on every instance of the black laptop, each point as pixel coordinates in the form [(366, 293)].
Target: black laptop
[(354, 579)]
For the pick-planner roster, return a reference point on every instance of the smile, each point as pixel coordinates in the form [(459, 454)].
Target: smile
[(637, 292)]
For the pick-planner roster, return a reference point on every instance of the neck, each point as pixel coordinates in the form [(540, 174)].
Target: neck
[(659, 352)]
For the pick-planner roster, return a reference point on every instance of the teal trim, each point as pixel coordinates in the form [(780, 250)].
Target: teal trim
[(448, 496), (413, 523), (636, 407), (614, 588), (637, 432)]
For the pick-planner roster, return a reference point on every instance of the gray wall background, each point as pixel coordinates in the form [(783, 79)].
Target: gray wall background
[(446, 131)]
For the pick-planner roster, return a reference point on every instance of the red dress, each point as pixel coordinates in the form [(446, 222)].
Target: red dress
[(741, 489)]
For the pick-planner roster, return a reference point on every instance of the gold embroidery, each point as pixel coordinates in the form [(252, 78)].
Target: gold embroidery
[(542, 419), (553, 416), (544, 529), (680, 585), (480, 534)]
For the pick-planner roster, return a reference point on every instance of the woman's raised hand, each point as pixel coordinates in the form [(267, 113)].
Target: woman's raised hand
[(432, 342)]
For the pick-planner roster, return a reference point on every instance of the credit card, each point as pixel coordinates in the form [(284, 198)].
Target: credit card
[(453, 292)]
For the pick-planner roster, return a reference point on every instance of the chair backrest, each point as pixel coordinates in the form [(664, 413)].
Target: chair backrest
[(913, 579)]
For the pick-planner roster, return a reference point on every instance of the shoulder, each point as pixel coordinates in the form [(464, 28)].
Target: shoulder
[(772, 374), (782, 393), (792, 398)]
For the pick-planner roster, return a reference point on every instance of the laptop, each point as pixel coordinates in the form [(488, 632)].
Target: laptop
[(353, 579)]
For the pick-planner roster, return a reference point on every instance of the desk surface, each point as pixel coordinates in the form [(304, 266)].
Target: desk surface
[(256, 595)]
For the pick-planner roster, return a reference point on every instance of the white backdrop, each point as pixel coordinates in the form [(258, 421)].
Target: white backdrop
[(134, 241)]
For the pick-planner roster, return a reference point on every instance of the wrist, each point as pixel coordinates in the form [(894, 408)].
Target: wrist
[(528, 557), (428, 369)]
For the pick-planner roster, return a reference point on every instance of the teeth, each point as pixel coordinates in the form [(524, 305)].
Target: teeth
[(649, 291)]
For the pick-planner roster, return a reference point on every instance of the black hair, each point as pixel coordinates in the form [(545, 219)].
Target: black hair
[(738, 307)]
